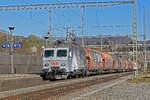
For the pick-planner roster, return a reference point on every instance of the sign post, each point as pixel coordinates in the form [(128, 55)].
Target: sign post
[(11, 49), (12, 45)]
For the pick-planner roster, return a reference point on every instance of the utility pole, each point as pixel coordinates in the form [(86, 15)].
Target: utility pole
[(128, 42), (11, 49), (82, 13), (135, 35), (7, 39), (135, 44), (101, 44), (144, 33), (50, 25), (67, 34)]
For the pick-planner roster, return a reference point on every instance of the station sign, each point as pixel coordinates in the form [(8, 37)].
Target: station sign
[(15, 45), (6, 45)]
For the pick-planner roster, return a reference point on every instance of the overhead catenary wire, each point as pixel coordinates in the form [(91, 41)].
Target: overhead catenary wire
[(85, 4), (63, 5)]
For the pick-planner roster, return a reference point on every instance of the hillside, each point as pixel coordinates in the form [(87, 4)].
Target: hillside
[(32, 44)]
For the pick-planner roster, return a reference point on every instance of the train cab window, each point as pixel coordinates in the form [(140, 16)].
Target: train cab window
[(49, 53), (61, 53)]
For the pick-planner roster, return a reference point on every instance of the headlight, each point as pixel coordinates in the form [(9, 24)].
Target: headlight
[(63, 64), (50, 70), (46, 65)]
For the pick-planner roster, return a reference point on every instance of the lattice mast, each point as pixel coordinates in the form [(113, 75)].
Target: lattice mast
[(135, 35)]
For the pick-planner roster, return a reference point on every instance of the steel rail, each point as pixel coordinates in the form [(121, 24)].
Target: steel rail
[(61, 90)]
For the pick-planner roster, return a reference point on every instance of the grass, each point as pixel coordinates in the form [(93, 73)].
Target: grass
[(146, 73), (142, 78)]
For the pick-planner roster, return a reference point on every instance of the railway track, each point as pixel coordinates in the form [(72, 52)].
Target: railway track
[(50, 93)]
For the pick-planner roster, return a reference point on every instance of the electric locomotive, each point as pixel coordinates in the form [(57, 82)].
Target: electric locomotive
[(63, 61)]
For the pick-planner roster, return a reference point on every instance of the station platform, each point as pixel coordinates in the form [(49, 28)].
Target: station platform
[(18, 76)]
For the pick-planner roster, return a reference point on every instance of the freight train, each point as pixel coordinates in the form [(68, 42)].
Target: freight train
[(69, 61)]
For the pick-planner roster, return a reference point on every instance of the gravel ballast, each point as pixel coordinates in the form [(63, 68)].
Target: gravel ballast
[(119, 89), (23, 83), (123, 91)]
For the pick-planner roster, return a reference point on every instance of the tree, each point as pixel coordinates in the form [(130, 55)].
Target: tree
[(33, 38), (2, 34)]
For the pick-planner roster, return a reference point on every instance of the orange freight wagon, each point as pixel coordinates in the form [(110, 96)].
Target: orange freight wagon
[(94, 59), (107, 61)]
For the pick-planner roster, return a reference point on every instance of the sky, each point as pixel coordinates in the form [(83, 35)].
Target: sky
[(114, 20)]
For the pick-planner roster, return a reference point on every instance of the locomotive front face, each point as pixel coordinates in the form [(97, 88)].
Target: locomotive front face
[(55, 60)]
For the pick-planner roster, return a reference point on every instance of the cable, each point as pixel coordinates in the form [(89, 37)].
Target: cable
[(36, 22)]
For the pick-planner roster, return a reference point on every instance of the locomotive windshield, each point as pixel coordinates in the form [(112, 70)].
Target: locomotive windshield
[(49, 53), (61, 53)]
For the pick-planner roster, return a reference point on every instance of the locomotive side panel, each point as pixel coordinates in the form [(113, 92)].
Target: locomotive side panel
[(78, 59)]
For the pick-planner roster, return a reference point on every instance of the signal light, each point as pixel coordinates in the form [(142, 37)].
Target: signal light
[(63, 64)]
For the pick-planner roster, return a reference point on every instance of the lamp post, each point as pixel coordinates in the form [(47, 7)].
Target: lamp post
[(11, 49), (46, 38)]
